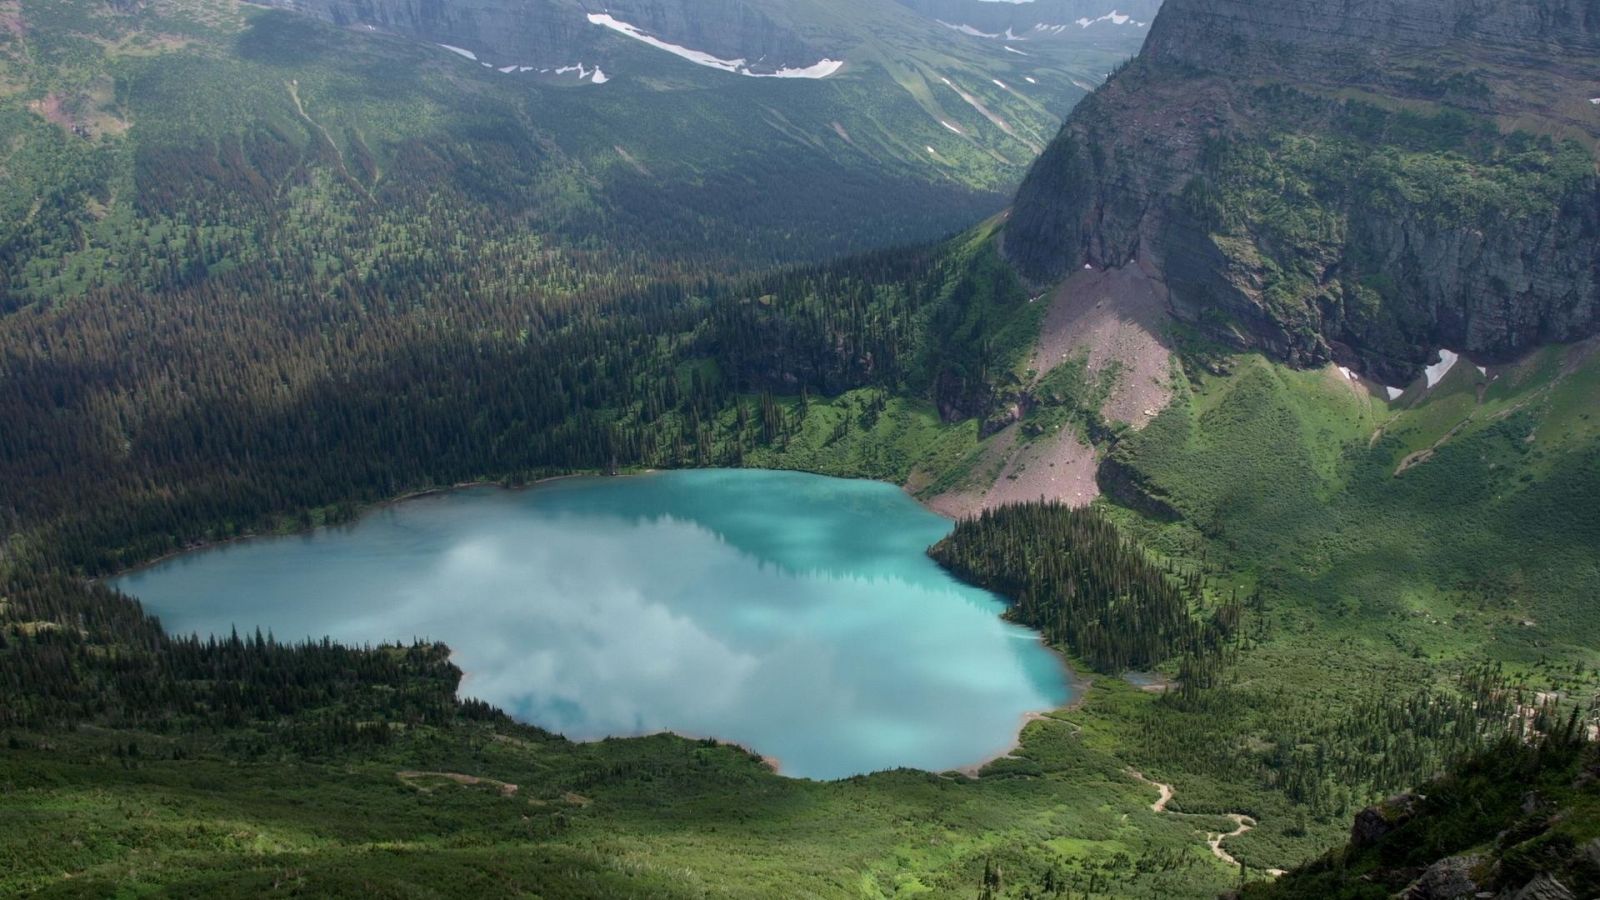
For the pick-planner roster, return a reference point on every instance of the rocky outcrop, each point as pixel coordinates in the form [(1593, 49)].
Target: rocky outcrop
[(1433, 226), (1377, 822), (1451, 878)]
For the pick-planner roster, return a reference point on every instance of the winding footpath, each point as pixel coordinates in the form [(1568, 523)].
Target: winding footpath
[(1213, 839)]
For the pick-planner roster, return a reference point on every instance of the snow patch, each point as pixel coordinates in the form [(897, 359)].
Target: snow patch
[(1595, 101), (1011, 49), (1114, 17), (966, 30), (1000, 84), (594, 74), (506, 70), (1349, 375), (1483, 370), (1394, 392), (1436, 372), (1029, 79), (820, 69), (949, 126), (977, 104), (460, 52)]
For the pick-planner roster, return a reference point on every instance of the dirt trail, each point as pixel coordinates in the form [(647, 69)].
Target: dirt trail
[(505, 788), (1165, 791), (1214, 840)]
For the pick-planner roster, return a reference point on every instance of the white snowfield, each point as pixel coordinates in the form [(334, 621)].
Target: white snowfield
[(820, 69), (1114, 17), (1595, 101), (966, 30), (593, 75), (1395, 393), (1436, 372)]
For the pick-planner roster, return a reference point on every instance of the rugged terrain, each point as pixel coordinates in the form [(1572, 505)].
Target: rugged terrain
[(218, 124), (1363, 185), (260, 272)]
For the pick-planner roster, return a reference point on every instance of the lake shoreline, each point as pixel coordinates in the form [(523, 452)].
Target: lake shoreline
[(1076, 683), (368, 508)]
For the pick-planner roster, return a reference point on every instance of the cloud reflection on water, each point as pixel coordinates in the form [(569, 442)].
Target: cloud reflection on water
[(793, 614)]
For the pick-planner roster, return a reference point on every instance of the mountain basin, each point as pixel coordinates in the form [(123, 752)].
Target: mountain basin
[(793, 614)]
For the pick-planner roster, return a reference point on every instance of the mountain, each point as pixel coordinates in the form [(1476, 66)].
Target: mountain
[(1041, 21), (752, 37), (615, 144), (1362, 184), (262, 273)]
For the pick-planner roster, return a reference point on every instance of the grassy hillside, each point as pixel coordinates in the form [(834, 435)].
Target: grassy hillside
[(646, 817)]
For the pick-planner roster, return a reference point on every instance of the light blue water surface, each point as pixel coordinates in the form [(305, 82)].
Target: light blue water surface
[(793, 614)]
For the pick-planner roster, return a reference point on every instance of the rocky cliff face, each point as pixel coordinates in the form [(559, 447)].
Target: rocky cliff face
[(1358, 39), (1360, 180)]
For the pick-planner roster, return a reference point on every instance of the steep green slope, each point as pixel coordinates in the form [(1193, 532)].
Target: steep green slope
[(152, 144)]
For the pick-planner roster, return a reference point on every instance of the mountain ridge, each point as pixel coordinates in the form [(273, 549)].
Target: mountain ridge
[(1325, 216)]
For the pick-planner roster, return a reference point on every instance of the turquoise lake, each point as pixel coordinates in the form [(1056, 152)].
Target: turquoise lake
[(793, 614)]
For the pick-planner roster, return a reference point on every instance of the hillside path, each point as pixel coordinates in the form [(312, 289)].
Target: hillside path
[(1214, 840)]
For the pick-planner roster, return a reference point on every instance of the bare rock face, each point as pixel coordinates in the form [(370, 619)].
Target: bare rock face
[(1448, 879), (1363, 40), (1375, 822), (1544, 886), (1254, 152)]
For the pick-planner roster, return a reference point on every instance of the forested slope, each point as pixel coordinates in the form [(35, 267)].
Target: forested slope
[(227, 323)]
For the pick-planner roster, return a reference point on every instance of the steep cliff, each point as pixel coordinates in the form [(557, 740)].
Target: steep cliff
[(1365, 180)]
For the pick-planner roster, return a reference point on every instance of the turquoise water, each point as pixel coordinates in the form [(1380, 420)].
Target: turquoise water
[(793, 614)]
